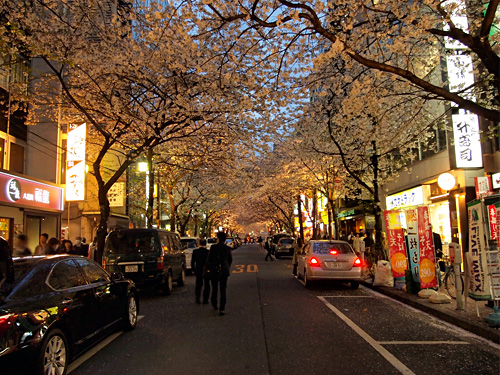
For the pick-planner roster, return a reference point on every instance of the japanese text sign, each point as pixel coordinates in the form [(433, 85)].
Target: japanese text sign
[(427, 259), (75, 171), (396, 242)]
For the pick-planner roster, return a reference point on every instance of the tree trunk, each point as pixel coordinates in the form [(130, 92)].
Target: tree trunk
[(173, 208), (301, 226), (102, 229), (378, 251), (149, 211), (315, 215)]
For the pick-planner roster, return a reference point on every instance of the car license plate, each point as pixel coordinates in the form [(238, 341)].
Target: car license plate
[(131, 268), (335, 265)]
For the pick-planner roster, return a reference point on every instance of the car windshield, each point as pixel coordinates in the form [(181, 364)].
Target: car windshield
[(188, 243), (229, 240), (287, 241), (124, 242), (326, 247)]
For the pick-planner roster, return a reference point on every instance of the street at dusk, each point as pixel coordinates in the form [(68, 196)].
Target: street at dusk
[(329, 169), (273, 325)]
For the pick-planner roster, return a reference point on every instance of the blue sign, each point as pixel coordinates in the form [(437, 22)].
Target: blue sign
[(414, 257)]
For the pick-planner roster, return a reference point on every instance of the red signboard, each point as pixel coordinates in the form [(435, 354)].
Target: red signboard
[(483, 187), (492, 215), (18, 191), (396, 242), (426, 247)]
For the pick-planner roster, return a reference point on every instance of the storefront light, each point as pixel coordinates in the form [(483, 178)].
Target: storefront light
[(446, 181)]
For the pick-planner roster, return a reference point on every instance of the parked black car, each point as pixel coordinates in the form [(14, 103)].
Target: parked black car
[(57, 307), (147, 256)]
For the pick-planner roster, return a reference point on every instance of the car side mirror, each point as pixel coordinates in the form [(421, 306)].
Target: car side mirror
[(117, 276)]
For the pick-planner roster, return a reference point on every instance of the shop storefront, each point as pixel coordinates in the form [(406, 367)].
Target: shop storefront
[(30, 207), (356, 220)]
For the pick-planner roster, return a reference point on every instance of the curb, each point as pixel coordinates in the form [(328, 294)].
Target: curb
[(477, 328)]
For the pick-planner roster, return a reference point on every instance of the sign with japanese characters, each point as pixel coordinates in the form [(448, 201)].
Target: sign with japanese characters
[(468, 152), (492, 218), (19, 191), (75, 159), (407, 198), (396, 242), (116, 195), (483, 187), (426, 247), (412, 243), (479, 288)]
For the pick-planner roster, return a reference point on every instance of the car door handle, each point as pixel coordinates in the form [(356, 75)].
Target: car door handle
[(66, 301)]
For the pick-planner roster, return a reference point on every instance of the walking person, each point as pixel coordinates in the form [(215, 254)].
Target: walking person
[(295, 260), (269, 250), (260, 240), (52, 246), (41, 248), (198, 261), (218, 263), (21, 246)]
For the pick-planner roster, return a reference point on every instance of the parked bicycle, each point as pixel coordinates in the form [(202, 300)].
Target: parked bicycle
[(448, 278)]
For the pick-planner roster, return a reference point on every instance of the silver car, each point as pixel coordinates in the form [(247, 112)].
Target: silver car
[(329, 260)]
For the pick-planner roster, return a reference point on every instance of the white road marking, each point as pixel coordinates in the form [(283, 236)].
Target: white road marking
[(378, 347), (85, 357), (423, 343)]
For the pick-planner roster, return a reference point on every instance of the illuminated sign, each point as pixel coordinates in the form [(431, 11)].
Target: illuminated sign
[(495, 180), (468, 152), (116, 195), (407, 198), (75, 171), (19, 191)]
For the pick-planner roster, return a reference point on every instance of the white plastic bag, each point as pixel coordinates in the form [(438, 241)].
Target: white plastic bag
[(383, 274)]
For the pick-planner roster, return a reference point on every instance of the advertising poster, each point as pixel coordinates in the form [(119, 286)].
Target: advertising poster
[(426, 247), (75, 162), (412, 244), (479, 288), (492, 218), (396, 241)]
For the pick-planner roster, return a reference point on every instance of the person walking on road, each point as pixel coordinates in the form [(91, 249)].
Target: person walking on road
[(198, 261), (218, 263), (267, 246), (295, 260), (260, 240)]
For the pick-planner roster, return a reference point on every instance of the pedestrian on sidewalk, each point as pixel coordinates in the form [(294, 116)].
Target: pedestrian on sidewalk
[(295, 260), (21, 246), (42, 246), (198, 261), (218, 263), (267, 246)]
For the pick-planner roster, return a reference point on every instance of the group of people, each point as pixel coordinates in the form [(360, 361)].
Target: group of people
[(211, 268), (47, 246)]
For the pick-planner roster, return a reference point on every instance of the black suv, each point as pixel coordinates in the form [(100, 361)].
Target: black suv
[(147, 256)]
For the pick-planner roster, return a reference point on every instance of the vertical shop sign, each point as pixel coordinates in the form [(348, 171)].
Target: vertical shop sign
[(478, 287), (483, 187), (75, 171), (492, 218), (412, 243), (396, 243), (426, 247)]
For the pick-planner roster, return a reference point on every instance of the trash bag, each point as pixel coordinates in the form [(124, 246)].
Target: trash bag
[(383, 274)]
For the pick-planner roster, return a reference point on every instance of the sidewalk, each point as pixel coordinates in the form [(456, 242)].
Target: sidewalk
[(467, 319)]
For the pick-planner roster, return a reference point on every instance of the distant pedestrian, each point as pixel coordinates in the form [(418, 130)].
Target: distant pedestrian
[(218, 263), (261, 242), (21, 246), (198, 261), (66, 247), (41, 248), (296, 250), (80, 247), (269, 250), (52, 246)]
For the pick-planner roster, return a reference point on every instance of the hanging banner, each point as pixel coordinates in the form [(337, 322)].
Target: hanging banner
[(395, 239), (412, 244), (492, 219), (426, 247), (479, 288), (75, 162)]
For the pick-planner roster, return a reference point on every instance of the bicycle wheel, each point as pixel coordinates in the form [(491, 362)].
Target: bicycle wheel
[(449, 284)]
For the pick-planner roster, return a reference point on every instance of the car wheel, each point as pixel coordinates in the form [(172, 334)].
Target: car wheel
[(182, 278), (307, 282), (167, 285), (54, 354), (354, 284), (132, 312)]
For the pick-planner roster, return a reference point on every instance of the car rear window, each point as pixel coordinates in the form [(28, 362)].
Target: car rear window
[(287, 241), (188, 243), (326, 247), (130, 242)]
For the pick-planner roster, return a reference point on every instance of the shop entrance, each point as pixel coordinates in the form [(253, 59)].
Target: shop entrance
[(38, 224)]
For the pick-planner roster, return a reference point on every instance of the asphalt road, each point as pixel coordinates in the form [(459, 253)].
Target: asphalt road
[(273, 325)]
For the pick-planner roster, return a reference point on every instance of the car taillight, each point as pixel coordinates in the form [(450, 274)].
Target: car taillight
[(334, 252), (314, 262), (358, 262), (103, 263), (6, 322), (160, 263)]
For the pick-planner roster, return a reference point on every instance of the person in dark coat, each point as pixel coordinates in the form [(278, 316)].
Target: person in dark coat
[(6, 266), (267, 246), (80, 247), (198, 261), (218, 263)]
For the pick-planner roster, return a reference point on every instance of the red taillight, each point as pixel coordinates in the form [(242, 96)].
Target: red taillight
[(103, 263), (358, 263), (160, 263), (314, 262), (6, 322), (334, 252)]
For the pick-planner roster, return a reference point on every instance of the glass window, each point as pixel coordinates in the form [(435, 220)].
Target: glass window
[(16, 158), (326, 247), (66, 274), (94, 273), (126, 242)]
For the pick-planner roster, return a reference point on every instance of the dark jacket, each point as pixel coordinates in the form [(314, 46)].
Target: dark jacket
[(198, 260), (220, 257)]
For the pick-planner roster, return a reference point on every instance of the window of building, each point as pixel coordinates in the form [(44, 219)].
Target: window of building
[(16, 158), (2, 151)]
